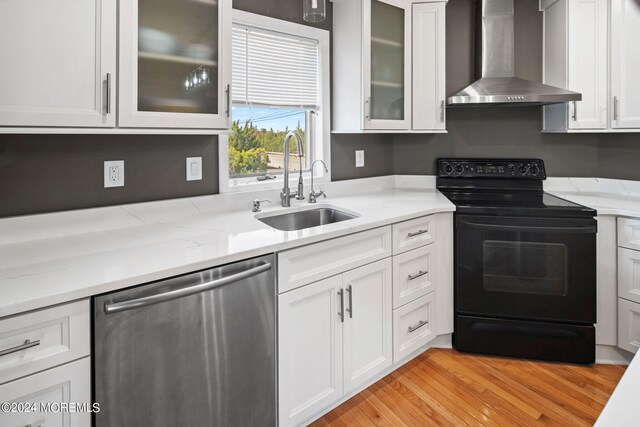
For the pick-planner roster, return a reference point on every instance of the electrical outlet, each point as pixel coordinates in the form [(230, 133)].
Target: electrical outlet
[(359, 158), (114, 173), (194, 168)]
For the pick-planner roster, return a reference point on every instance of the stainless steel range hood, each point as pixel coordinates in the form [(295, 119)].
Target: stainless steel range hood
[(497, 84)]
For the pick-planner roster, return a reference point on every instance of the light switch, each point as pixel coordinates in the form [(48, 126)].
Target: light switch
[(194, 168), (359, 158)]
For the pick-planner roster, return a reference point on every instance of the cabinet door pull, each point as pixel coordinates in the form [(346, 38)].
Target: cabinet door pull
[(108, 103), (367, 109), (574, 117), (341, 312), (27, 344), (228, 93), (442, 107), (615, 108), (350, 309), (418, 326), (417, 233), (420, 273)]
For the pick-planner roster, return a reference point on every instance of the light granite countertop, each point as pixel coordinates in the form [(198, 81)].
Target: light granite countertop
[(55, 258)]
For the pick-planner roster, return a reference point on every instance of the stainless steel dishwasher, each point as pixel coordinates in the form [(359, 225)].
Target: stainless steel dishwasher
[(194, 350)]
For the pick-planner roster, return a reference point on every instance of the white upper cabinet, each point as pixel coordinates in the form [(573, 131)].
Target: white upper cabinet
[(58, 63), (174, 64), (575, 49), (625, 64), (584, 40), (373, 65), (59, 70), (588, 63), (429, 58)]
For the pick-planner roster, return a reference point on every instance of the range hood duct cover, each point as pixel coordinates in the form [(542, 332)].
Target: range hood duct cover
[(495, 65)]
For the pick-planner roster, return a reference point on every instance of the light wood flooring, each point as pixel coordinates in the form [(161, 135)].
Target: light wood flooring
[(444, 387)]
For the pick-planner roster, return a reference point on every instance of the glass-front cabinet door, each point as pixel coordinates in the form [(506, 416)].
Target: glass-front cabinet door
[(175, 64), (387, 64)]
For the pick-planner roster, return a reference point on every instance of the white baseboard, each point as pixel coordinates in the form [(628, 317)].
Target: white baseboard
[(610, 355)]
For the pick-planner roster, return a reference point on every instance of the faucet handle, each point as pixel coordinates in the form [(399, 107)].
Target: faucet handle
[(256, 205), (313, 196)]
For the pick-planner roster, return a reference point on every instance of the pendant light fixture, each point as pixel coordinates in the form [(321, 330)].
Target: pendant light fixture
[(314, 10)]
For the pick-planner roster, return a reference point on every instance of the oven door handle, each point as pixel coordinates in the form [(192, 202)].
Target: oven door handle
[(589, 229)]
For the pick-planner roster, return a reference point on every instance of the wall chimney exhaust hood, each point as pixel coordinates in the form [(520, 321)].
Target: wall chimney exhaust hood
[(497, 84)]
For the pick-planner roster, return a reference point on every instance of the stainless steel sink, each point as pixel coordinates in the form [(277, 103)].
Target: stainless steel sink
[(306, 218)]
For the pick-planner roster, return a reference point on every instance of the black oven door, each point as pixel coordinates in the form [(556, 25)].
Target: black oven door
[(526, 268)]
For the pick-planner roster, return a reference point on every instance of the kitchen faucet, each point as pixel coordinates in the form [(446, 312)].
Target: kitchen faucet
[(285, 194), (313, 195)]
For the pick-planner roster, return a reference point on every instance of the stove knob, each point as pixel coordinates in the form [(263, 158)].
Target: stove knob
[(534, 169), (512, 168), (522, 168), (459, 169), (447, 168)]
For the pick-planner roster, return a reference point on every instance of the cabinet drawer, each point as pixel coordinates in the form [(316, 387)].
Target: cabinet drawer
[(413, 275), (628, 325), (42, 339), (629, 274), (413, 326), (63, 384), (629, 233), (311, 263), (414, 233)]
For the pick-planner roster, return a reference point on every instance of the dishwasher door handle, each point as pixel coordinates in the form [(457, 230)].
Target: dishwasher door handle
[(183, 292)]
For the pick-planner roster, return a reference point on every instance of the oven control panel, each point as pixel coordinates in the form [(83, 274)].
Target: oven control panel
[(484, 168)]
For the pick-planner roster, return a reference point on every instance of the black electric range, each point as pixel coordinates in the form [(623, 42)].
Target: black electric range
[(525, 262)]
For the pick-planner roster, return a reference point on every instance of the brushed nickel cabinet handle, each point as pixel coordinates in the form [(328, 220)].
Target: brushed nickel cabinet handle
[(341, 312), (417, 233), (574, 117), (442, 107), (367, 109), (420, 273), (27, 344), (350, 309), (108, 103), (418, 326), (615, 108), (228, 93)]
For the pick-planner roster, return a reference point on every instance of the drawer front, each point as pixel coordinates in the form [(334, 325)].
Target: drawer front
[(629, 274), (413, 326), (628, 325), (629, 233), (42, 339), (311, 263), (413, 275), (414, 233), (70, 383)]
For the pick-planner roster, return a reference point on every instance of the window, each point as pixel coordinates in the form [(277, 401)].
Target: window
[(280, 83)]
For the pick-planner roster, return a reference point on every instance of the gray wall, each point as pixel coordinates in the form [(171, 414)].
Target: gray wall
[(44, 173)]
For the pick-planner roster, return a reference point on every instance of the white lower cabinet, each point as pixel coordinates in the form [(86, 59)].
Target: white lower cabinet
[(333, 336), (367, 324), (628, 325), (412, 275), (413, 326), (310, 350), (70, 383)]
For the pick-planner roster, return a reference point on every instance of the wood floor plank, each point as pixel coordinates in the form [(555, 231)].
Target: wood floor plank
[(444, 387), (531, 389)]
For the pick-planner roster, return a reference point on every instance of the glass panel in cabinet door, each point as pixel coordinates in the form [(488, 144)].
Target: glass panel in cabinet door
[(178, 56), (387, 61)]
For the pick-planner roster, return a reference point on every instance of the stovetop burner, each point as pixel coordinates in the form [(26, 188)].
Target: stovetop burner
[(502, 187)]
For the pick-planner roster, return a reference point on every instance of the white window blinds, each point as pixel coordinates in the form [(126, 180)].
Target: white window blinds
[(274, 69)]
